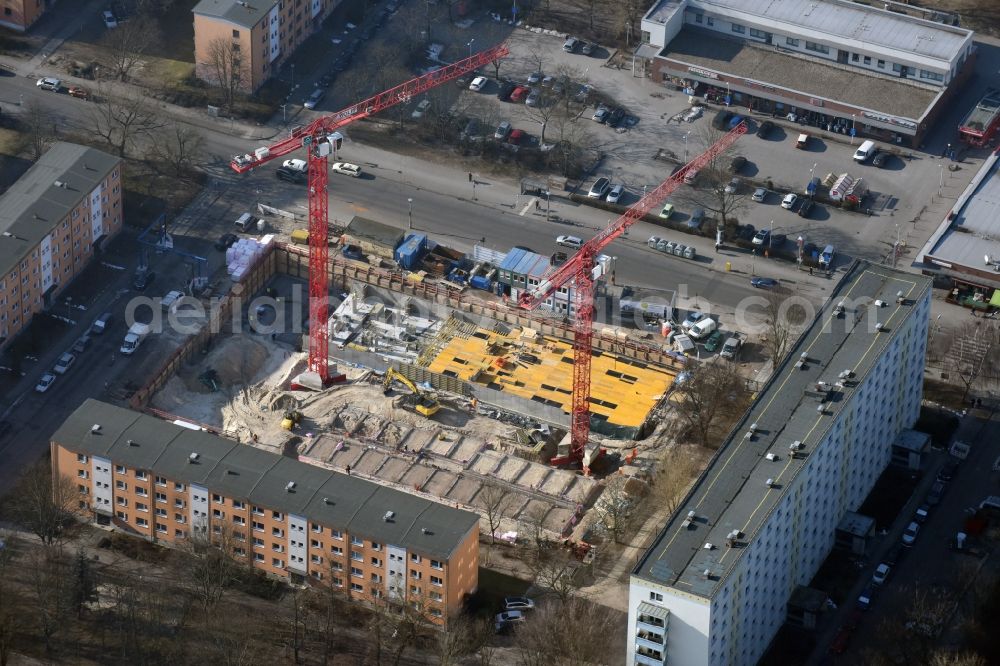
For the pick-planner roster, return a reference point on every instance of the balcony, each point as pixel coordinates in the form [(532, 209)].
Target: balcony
[(644, 660), (649, 642)]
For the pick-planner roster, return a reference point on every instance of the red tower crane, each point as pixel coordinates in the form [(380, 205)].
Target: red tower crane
[(320, 139), (580, 271)]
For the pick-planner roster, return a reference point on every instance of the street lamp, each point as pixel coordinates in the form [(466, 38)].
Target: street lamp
[(470, 46), (686, 147), (770, 233), (941, 179), (284, 118), (811, 171), (409, 214), (854, 126)]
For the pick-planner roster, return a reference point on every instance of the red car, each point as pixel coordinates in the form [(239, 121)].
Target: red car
[(519, 94), (516, 137)]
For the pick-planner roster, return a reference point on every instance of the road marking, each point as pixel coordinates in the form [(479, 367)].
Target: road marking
[(533, 201)]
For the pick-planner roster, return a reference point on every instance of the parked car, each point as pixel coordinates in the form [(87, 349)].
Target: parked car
[(315, 98), (503, 131), (731, 348), (826, 257), (518, 603), (881, 574), (421, 109), (866, 597), (506, 89), (346, 168), (935, 493), (569, 241), (803, 141), (290, 175), (516, 137), (764, 129), (894, 555), (81, 344), (759, 194), (910, 534), (668, 210), (559, 86), (714, 341), (64, 363), (806, 207), (570, 44), (616, 193), (601, 115), (295, 164), (101, 324), (44, 382), (599, 188), (507, 618), (737, 163), (534, 98), (789, 201), (143, 279), (519, 94), (697, 217), (693, 318), (588, 48), (880, 159), (762, 237), (535, 77), (79, 92), (763, 282), (49, 83), (733, 186), (548, 81), (478, 83), (690, 176), (110, 21), (616, 116), (948, 471), (922, 513), (583, 93)]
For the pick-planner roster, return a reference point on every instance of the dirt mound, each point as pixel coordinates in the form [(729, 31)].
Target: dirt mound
[(235, 361)]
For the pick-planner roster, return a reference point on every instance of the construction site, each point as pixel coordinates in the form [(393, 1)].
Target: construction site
[(420, 368)]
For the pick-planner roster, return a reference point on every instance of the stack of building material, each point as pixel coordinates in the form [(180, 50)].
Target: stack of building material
[(244, 253)]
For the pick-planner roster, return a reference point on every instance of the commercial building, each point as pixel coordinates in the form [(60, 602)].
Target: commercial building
[(250, 39), (965, 248), (20, 14), (53, 220), (829, 63), (714, 586), (168, 483)]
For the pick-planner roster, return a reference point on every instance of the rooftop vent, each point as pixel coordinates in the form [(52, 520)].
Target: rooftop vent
[(706, 574), (193, 458), (771, 457), (819, 408), (708, 546), (290, 486), (95, 428), (424, 530), (880, 304), (795, 446), (232, 472), (389, 515), (691, 514), (326, 500), (770, 483), (900, 299), (804, 356), (753, 428), (132, 442), (839, 310), (59, 183), (879, 327)]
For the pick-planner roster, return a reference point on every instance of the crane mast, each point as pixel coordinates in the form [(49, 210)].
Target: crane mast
[(579, 272)]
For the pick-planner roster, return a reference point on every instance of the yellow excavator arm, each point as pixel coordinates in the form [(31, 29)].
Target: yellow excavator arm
[(425, 405)]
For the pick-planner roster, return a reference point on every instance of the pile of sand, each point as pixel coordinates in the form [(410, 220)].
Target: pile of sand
[(236, 361)]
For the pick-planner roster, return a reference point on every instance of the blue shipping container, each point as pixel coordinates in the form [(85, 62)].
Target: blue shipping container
[(410, 251), (481, 282)]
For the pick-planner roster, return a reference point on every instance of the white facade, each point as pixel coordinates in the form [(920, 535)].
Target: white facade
[(100, 469), (198, 502), (396, 583), (297, 544), (737, 621)]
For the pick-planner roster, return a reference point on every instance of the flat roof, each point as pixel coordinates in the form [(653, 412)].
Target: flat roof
[(732, 493), (622, 391), (247, 13), (376, 232), (244, 472), (32, 207), (524, 262), (974, 232), (851, 23), (851, 85)]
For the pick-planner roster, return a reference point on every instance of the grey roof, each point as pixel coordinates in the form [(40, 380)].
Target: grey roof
[(913, 440), (241, 471), (376, 232), (246, 13), (856, 524), (851, 23), (813, 76), (732, 493), (974, 233), (34, 204)]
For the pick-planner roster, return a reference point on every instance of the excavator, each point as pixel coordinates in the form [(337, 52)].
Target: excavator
[(424, 405)]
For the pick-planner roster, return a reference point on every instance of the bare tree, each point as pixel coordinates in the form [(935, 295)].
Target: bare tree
[(8, 610), (975, 354), (38, 126), (545, 640), (557, 574), (121, 120), (495, 500), (712, 398), (956, 659), (180, 147), (464, 635), (51, 598), (616, 507), (43, 503), (675, 472), (209, 566), (227, 69), (126, 45)]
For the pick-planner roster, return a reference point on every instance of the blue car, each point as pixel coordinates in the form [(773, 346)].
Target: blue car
[(763, 282)]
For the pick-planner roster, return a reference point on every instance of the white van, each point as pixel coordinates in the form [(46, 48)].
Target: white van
[(865, 152), (703, 328), (569, 241), (244, 222)]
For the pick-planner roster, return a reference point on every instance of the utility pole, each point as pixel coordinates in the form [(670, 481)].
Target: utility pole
[(409, 214)]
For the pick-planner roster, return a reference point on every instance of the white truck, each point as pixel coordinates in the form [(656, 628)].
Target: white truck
[(136, 334)]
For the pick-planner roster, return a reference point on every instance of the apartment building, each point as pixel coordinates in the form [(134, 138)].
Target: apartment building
[(167, 483), (52, 222), (714, 586), (835, 64), (260, 33), (20, 14)]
